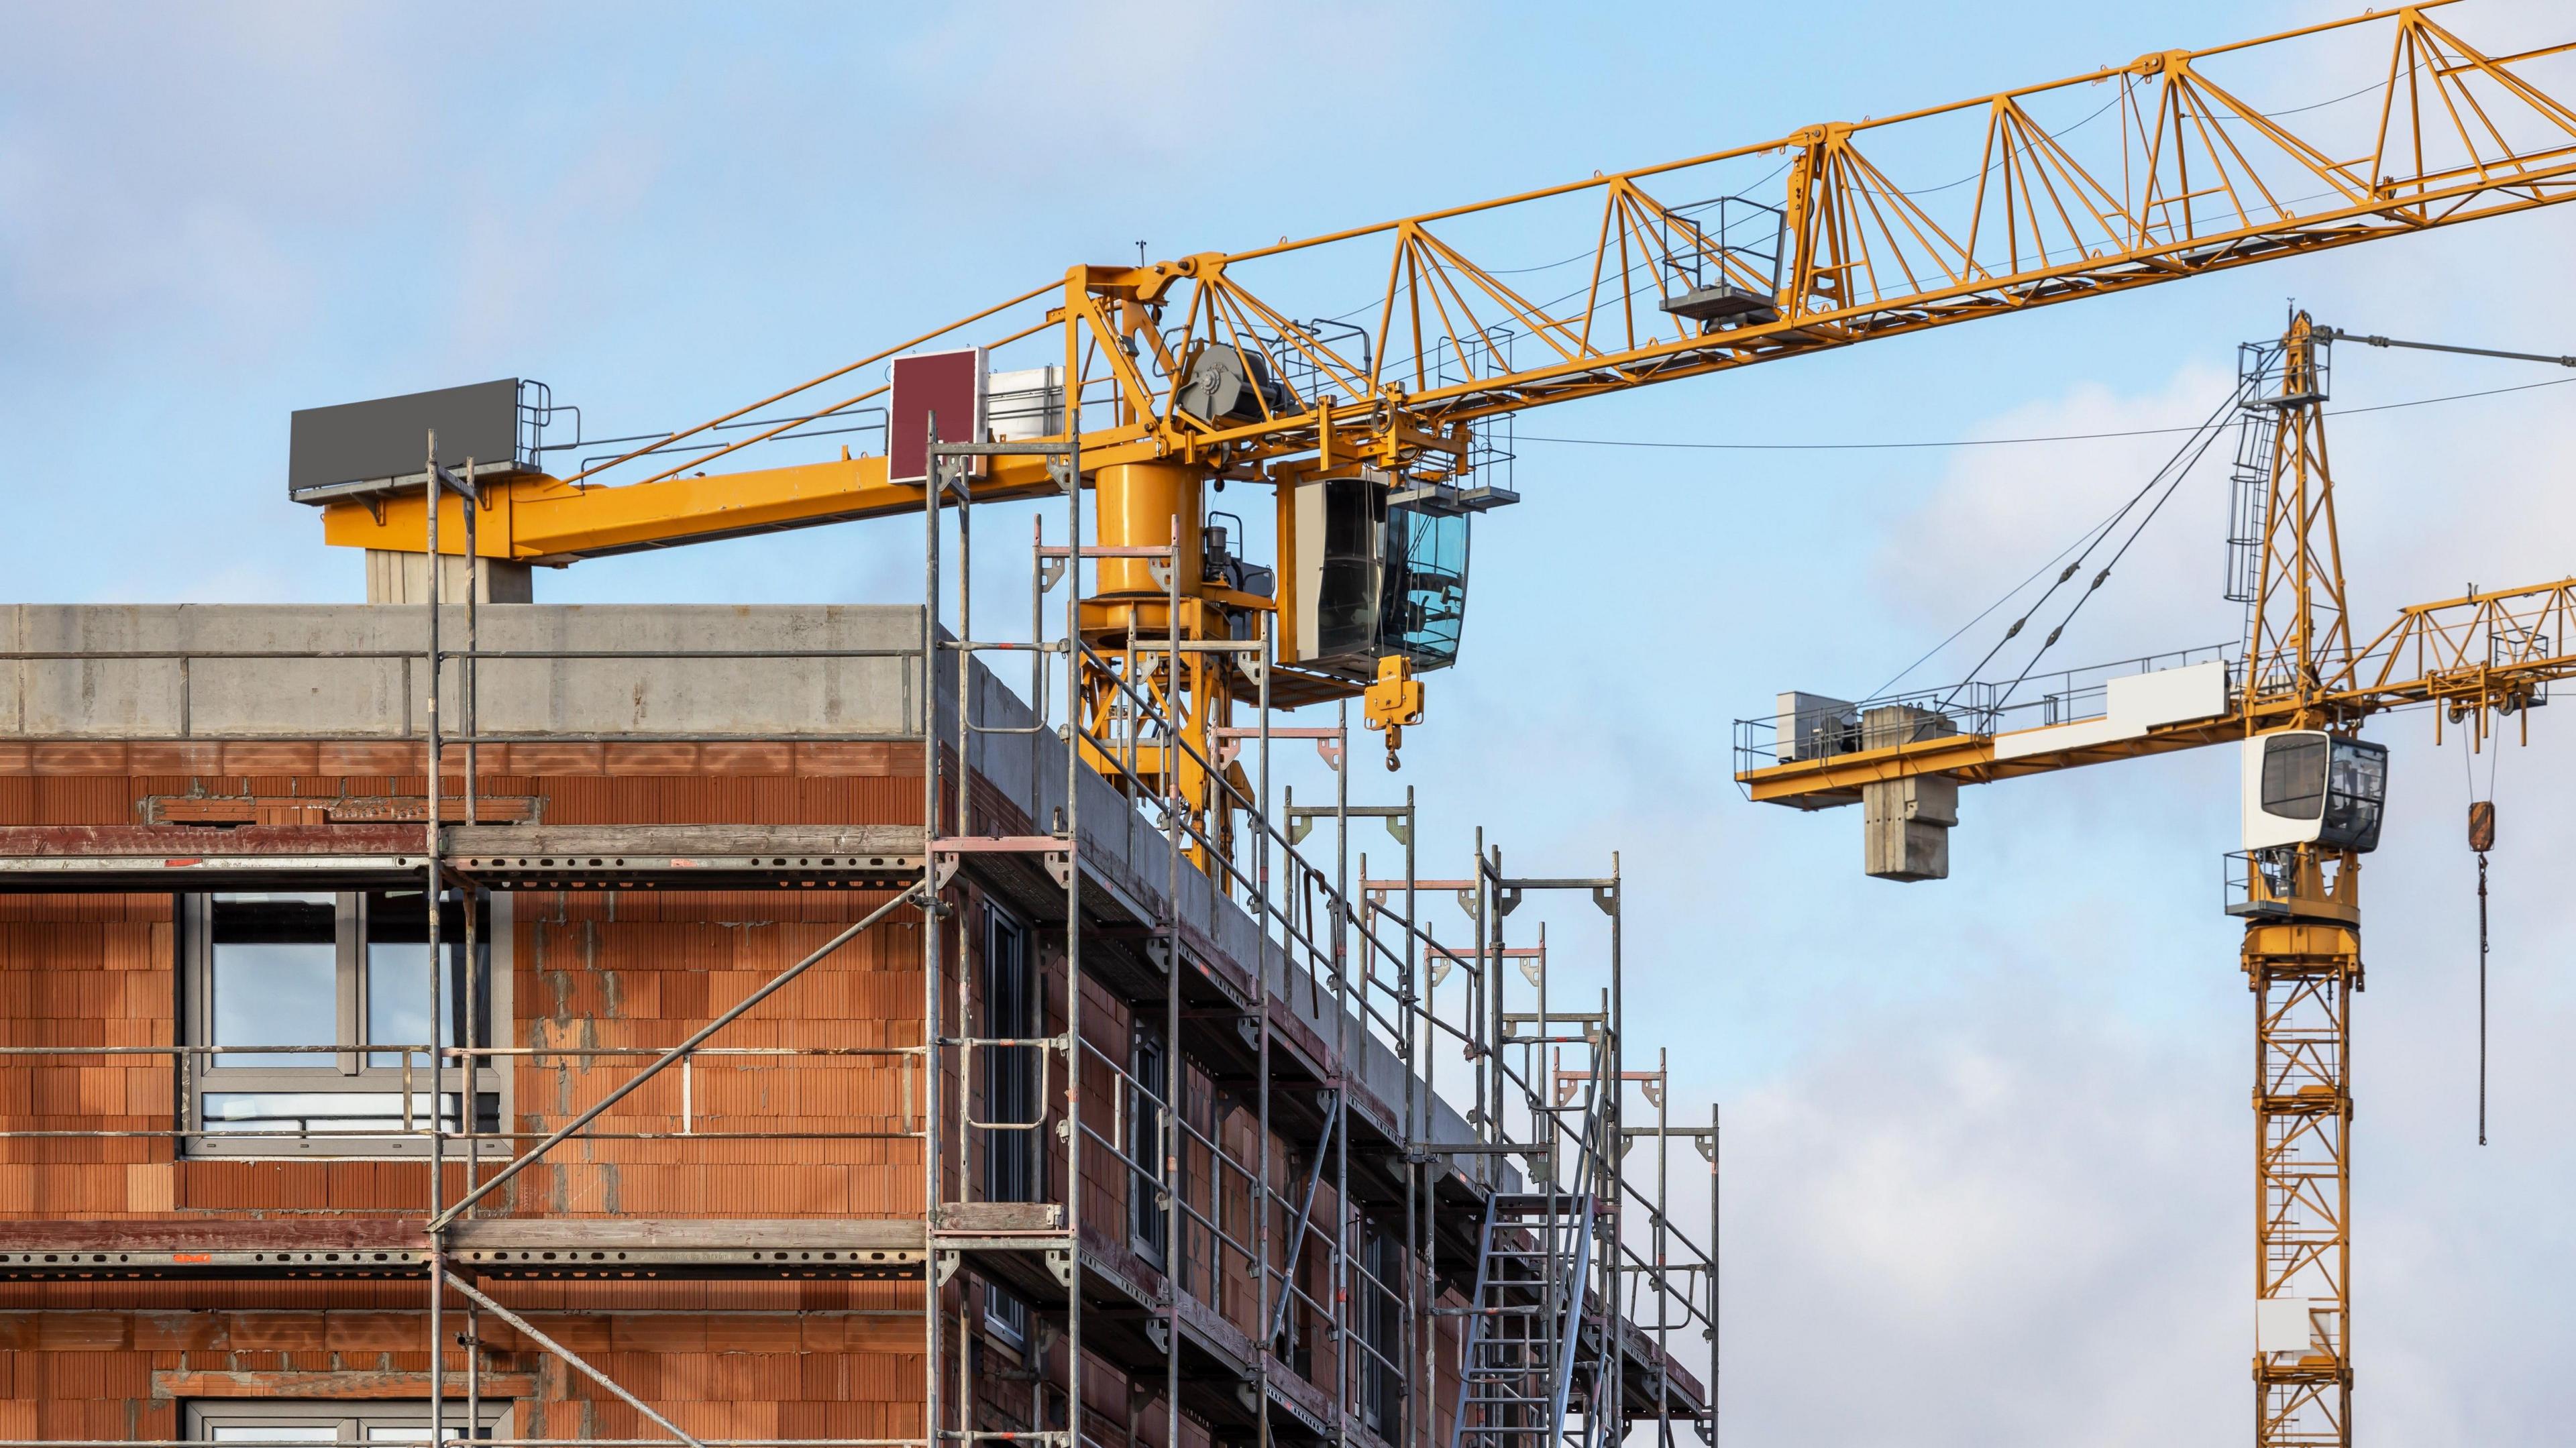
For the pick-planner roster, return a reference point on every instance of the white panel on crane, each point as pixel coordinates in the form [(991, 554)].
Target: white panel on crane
[(2282, 1324), (1025, 405), (1812, 726), (2134, 704)]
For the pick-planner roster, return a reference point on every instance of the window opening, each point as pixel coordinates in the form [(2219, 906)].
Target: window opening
[(1382, 1332), (273, 976), (2356, 792), (396, 979), (1149, 1226), (306, 970), (1010, 1072), (1392, 578), (1006, 1316), (1426, 586)]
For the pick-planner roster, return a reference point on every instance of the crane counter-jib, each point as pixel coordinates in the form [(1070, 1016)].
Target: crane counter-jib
[(2481, 654), (547, 520)]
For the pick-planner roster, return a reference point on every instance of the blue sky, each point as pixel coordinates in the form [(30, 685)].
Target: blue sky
[(1987, 1162)]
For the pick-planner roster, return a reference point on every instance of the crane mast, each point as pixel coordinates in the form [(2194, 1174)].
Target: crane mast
[(2302, 947)]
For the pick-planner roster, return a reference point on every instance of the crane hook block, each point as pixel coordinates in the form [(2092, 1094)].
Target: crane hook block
[(1394, 701)]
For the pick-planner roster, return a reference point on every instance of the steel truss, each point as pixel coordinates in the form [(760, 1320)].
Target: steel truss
[(2303, 977)]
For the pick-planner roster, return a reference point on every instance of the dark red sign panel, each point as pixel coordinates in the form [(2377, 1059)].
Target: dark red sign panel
[(946, 386)]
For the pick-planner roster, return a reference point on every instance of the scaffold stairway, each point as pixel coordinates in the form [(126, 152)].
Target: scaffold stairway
[(1524, 1333)]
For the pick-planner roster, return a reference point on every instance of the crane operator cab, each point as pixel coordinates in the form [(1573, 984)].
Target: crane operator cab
[(1374, 588), (2310, 798), (1376, 577)]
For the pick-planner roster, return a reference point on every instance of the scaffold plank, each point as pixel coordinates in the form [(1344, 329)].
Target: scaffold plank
[(135, 858), (516, 1247)]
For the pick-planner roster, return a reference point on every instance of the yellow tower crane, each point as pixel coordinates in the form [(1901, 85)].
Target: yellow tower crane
[(1381, 438), (2313, 794), (1383, 429)]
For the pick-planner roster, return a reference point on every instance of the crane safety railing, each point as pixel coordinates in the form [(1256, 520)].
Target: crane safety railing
[(1973, 708)]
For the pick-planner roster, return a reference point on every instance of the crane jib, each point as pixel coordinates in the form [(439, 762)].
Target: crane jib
[(2080, 187)]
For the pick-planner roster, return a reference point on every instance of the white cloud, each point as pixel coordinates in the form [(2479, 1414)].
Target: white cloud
[(1962, 1224)]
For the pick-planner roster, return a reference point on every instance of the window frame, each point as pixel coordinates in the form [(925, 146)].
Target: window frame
[(1148, 1223), (1006, 1317), (1014, 1008), (351, 1072), (1380, 1328), (201, 1417)]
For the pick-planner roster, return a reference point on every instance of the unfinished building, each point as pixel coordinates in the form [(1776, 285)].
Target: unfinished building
[(770, 1030)]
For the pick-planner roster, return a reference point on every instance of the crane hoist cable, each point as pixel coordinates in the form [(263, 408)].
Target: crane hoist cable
[(2198, 447), (2170, 475), (2007, 596), (2482, 837)]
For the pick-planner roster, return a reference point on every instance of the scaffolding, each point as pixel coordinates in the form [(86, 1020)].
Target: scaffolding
[(1268, 1122)]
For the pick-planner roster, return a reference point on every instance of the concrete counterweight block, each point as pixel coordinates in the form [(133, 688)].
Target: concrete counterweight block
[(404, 578), (1905, 823)]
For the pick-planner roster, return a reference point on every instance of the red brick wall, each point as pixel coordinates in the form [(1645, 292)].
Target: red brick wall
[(634, 969)]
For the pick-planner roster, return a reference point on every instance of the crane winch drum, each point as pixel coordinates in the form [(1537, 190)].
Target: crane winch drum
[(1230, 384), (2309, 787)]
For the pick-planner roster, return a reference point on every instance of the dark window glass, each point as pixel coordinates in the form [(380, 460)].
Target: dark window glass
[(1010, 1072), (1346, 602), (1006, 1315), (1426, 586), (2356, 794), (1150, 1226), (2294, 775), (1380, 1304)]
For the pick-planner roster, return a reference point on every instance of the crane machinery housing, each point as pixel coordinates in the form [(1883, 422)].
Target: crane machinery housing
[(1385, 429)]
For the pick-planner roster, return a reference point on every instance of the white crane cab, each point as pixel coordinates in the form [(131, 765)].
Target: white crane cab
[(2309, 787)]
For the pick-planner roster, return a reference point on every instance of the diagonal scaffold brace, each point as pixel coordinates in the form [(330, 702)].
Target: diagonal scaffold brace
[(633, 1083)]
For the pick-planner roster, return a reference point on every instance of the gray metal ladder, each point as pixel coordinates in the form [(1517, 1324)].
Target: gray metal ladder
[(1525, 1332)]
